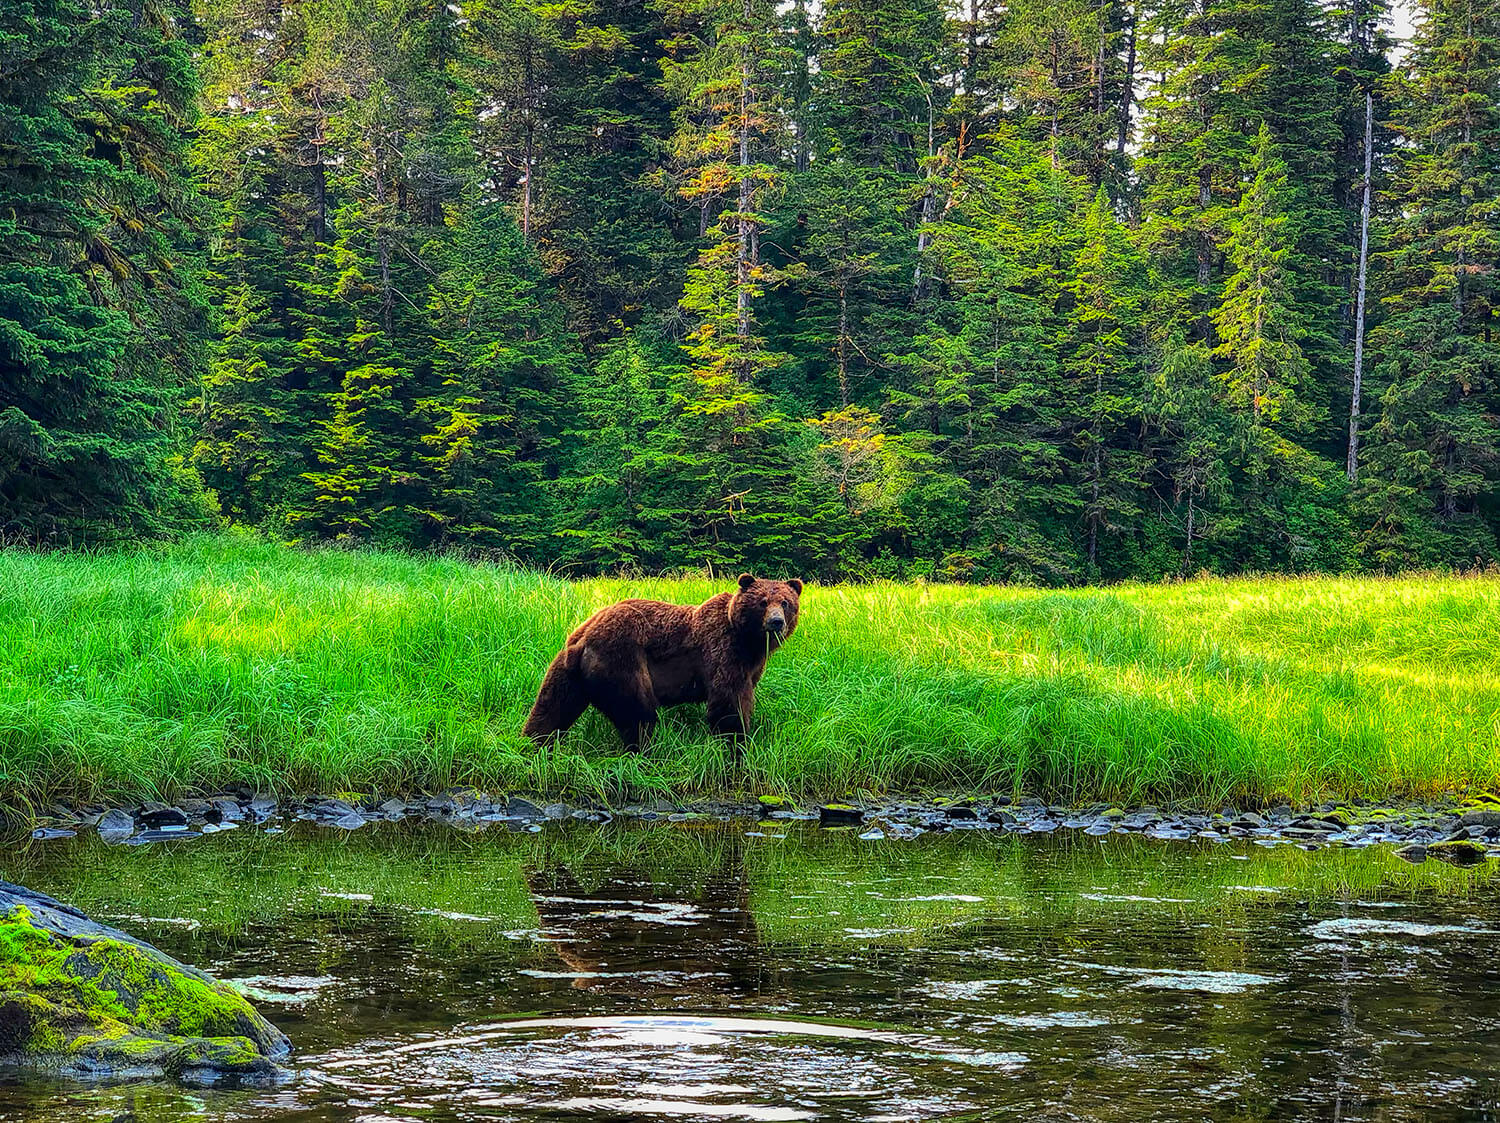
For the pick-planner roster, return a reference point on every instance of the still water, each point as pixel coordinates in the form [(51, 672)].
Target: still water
[(744, 972)]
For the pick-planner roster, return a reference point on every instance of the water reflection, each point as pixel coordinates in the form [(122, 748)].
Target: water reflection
[(621, 930), (667, 972)]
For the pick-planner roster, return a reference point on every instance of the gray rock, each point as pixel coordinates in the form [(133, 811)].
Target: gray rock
[(350, 822), (831, 814), (1413, 852), (556, 810), (1480, 819), (155, 814), (522, 809), (47, 833), (228, 810), (262, 807), (54, 1023), (1322, 826), (393, 808), (1320, 834), (115, 821)]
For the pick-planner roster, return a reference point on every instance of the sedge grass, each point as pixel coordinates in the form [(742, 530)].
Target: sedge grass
[(229, 660)]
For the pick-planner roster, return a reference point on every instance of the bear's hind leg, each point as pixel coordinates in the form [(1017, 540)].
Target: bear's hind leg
[(630, 705), (631, 719)]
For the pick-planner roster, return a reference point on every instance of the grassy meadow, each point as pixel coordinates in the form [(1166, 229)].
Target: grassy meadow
[(233, 660)]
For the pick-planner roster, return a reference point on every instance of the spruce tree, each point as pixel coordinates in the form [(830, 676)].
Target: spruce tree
[(1109, 289), (95, 283), (1430, 461)]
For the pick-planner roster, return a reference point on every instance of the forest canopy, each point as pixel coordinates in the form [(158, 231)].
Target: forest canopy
[(1050, 291)]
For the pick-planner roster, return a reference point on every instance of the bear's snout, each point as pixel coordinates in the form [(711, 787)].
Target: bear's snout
[(775, 621)]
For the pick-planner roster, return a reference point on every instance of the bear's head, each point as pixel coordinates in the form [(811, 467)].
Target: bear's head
[(767, 608)]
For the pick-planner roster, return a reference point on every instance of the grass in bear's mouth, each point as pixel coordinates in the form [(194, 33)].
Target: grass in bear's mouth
[(230, 660)]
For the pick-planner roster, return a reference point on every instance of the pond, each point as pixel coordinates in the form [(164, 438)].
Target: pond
[(740, 971)]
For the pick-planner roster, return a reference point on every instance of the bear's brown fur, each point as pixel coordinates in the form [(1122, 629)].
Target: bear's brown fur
[(632, 658)]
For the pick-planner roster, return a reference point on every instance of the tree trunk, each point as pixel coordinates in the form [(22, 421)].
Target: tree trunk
[(528, 152), (1359, 305), (929, 202), (383, 245), (742, 264), (842, 345), (1094, 504), (1205, 251), (1187, 552), (1127, 96)]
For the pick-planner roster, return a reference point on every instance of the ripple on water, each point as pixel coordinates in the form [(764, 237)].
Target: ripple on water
[(1360, 927), (1208, 982), (647, 1065), (285, 990)]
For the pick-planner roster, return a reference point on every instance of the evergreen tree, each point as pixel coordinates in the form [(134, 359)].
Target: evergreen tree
[(1109, 288), (1430, 461), (94, 283), (500, 361)]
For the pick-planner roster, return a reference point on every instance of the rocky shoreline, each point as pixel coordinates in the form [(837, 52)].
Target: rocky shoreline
[(1463, 831)]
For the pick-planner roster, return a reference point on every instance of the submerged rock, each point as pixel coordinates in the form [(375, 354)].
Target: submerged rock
[(79, 998), (1459, 852)]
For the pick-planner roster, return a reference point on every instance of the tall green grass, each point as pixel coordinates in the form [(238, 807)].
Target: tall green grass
[(229, 660)]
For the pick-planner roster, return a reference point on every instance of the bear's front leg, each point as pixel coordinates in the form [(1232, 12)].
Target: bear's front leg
[(729, 716)]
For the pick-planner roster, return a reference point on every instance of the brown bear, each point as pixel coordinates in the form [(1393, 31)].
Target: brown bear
[(632, 658)]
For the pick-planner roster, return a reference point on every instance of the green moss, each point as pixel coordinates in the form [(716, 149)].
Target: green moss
[(1461, 852), (113, 1003)]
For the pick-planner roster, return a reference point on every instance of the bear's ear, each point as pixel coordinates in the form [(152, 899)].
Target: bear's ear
[(746, 580), (796, 584)]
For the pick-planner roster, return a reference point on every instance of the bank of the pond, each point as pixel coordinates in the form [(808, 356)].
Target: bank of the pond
[(1463, 834), (229, 661)]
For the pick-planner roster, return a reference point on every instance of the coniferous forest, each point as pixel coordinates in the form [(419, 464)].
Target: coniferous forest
[(1049, 291)]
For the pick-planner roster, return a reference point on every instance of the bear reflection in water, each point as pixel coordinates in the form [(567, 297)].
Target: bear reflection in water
[(625, 932)]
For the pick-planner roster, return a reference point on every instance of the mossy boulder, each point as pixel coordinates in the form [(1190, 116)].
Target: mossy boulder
[(79, 998), (1458, 852)]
